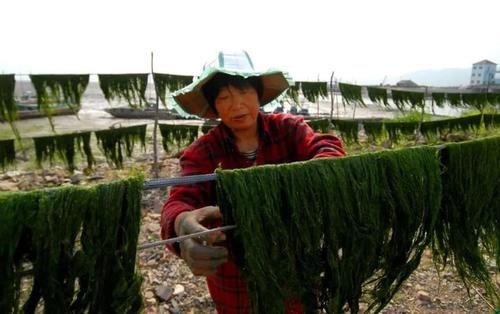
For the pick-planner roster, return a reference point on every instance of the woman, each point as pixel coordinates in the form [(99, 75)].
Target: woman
[(231, 90)]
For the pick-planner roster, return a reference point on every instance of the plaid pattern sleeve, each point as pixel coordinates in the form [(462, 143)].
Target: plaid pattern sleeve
[(282, 138)]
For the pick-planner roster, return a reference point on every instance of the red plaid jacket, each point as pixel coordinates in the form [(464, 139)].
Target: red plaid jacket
[(282, 138)]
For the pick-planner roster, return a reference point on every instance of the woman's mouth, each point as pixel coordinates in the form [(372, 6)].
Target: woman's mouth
[(239, 117)]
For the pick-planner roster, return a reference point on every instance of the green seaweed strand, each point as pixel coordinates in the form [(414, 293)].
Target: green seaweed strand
[(378, 95), (64, 146), (8, 109), (320, 125), (17, 213), (178, 135), (83, 257), (114, 143), (469, 218), (454, 99), (439, 99), (348, 129), (7, 153), (351, 94), (373, 129), (312, 91), (169, 82), (327, 229), (131, 87), (293, 92), (54, 89)]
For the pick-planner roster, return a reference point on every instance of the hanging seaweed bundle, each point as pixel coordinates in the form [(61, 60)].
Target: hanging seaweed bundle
[(467, 123), (17, 216), (170, 82), (348, 129), (7, 153), (373, 129), (206, 128), (112, 142), (378, 95), (131, 87), (432, 129), (351, 94), (178, 135), (8, 109), (312, 91), (491, 120), (47, 147), (399, 99), (320, 125), (439, 99), (470, 215), (326, 228), (493, 99), (43, 228), (293, 92), (396, 128), (402, 98), (54, 89), (454, 99)]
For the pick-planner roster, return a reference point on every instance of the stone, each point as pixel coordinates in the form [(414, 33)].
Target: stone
[(8, 186), (424, 296), (76, 178), (149, 295), (178, 289), (164, 292)]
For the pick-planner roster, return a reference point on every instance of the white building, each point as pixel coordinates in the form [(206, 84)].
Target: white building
[(483, 73)]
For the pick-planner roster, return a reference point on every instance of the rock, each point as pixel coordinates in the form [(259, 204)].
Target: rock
[(8, 186), (163, 292), (51, 179), (178, 289), (151, 301), (424, 296), (149, 295), (76, 178), (174, 308), (96, 177), (153, 227)]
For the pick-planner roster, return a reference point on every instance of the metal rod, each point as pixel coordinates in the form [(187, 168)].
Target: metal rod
[(164, 182), (184, 237)]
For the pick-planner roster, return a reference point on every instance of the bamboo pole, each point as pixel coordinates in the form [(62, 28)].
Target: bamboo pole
[(331, 95), (155, 127)]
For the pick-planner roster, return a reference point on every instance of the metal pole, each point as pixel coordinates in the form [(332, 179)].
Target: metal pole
[(185, 237), (164, 182)]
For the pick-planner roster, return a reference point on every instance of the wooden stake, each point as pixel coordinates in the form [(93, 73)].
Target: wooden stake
[(155, 128)]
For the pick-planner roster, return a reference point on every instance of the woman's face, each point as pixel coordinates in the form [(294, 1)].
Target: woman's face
[(238, 108)]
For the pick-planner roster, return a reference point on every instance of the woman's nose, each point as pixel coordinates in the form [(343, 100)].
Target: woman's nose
[(237, 99)]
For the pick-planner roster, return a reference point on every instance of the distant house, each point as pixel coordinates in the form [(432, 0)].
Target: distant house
[(483, 73), (406, 83)]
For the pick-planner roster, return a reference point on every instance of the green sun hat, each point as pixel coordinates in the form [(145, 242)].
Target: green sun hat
[(191, 97)]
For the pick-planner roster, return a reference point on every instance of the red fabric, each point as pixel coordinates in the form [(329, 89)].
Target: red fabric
[(282, 138)]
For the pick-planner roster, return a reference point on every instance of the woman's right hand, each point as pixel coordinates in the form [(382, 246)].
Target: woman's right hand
[(202, 257)]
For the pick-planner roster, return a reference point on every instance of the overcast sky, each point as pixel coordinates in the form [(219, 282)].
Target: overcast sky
[(362, 41)]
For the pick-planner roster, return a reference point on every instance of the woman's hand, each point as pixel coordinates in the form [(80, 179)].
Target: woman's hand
[(199, 253)]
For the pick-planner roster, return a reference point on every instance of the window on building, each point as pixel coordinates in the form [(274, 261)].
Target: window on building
[(480, 68), (477, 82), (473, 74), (474, 67), (479, 74)]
